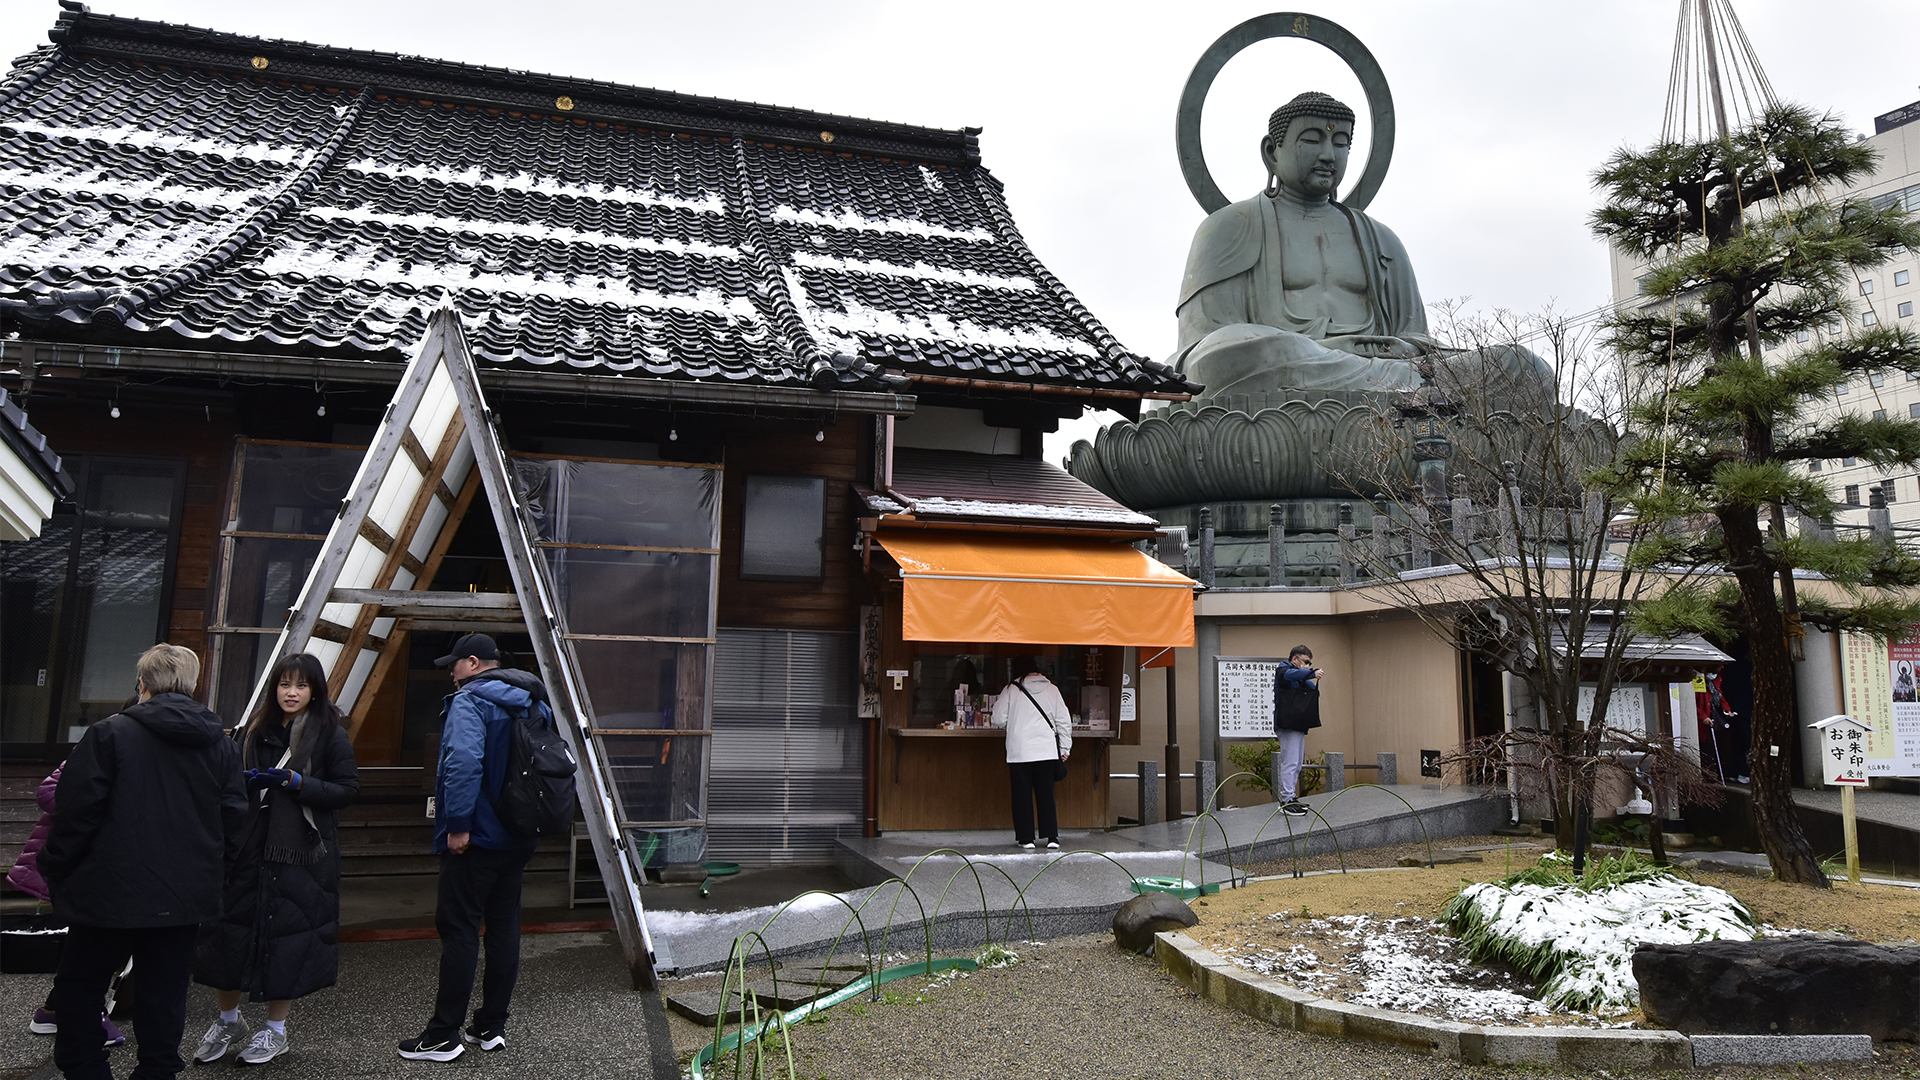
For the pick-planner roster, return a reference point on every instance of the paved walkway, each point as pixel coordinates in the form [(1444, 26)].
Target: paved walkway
[(1887, 807), (967, 887), (570, 985)]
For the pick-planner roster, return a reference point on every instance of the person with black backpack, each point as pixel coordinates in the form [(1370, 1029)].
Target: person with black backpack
[(492, 728), (1296, 711)]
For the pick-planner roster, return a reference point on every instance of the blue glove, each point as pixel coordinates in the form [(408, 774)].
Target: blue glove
[(257, 780), (285, 778)]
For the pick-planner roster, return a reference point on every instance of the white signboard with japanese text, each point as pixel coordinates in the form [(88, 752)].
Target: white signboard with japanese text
[(1843, 751), (1246, 696), (1626, 707)]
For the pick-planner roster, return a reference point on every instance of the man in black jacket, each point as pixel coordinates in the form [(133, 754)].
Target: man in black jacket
[(147, 814)]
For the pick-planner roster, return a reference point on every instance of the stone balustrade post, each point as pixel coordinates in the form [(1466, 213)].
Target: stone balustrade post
[(1336, 770), (1149, 792), (1346, 544), (1389, 767), (1206, 777), (1382, 554), (1276, 546), (1462, 525), (1206, 546)]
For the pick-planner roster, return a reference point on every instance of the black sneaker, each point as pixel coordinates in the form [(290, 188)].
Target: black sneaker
[(1295, 809), (420, 1048), (490, 1040)]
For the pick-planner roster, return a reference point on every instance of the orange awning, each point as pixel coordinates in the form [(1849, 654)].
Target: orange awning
[(1043, 591)]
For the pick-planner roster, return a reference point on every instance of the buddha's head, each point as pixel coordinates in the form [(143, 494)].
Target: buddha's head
[(1307, 143)]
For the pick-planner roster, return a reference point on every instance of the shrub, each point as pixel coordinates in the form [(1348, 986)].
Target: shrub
[(1257, 758)]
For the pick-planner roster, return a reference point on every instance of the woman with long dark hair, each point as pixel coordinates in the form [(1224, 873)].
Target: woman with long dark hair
[(275, 940)]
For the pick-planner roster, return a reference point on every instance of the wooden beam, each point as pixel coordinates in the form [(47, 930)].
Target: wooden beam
[(399, 642)]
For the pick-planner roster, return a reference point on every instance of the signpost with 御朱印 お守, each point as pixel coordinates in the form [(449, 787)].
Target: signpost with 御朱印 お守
[(1843, 763)]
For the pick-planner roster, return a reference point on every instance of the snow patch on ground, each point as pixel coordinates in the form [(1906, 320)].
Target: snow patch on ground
[(1407, 964), (681, 922)]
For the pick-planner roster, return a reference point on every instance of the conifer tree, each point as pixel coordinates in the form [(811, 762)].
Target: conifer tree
[(1754, 239)]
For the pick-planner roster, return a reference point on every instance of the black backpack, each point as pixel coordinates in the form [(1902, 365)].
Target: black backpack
[(537, 796), (1296, 706)]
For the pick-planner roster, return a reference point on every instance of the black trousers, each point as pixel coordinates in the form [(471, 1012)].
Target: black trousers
[(93, 955), (1033, 785), (481, 886)]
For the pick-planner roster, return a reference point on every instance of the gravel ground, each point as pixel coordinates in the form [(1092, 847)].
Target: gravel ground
[(1081, 1008), (1391, 856)]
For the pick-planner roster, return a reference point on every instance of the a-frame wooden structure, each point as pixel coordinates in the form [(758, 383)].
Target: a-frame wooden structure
[(437, 449)]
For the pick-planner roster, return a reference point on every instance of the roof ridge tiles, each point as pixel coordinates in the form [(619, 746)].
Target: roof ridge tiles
[(124, 305), (80, 30)]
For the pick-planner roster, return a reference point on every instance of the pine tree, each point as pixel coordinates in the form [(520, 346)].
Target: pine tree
[(1755, 241)]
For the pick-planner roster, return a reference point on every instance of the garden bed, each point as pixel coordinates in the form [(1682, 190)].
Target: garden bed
[(1377, 937)]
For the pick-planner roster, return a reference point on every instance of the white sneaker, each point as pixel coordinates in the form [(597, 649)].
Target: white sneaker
[(267, 1044), (220, 1038), (1053, 845), (1026, 847)]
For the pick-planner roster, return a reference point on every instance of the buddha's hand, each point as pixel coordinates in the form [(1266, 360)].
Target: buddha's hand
[(1374, 345)]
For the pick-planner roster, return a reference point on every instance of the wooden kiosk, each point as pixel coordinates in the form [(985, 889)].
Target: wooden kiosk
[(956, 607)]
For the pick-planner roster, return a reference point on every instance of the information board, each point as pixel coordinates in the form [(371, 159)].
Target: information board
[(1626, 707), (1903, 740), (1246, 696), (1843, 756), (1877, 683)]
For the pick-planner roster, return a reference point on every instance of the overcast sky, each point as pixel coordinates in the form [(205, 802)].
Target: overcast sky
[(1504, 107)]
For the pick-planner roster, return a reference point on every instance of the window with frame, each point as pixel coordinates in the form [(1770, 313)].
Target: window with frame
[(1866, 287), (1801, 336), (1876, 379), (783, 528), (1879, 414), (1868, 318), (284, 499), (1913, 410), (1887, 488), (1849, 461), (1817, 465), (1901, 277), (1852, 495), (1906, 309), (87, 596)]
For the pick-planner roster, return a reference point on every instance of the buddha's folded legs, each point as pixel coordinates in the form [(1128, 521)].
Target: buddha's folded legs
[(1247, 358)]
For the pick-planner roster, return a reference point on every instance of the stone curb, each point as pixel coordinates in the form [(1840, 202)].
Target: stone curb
[(1780, 1049), (1269, 1000)]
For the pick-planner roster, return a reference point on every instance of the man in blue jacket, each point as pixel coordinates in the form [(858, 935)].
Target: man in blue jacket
[(1296, 711), (480, 861)]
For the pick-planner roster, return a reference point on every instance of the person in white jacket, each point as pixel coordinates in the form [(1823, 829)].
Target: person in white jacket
[(1039, 739)]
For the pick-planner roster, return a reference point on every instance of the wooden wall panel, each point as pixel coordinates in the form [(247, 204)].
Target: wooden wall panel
[(202, 434), (788, 448)]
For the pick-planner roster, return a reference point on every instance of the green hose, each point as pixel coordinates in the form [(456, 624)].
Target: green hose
[(852, 990)]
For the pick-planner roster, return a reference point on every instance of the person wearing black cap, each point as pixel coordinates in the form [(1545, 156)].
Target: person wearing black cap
[(480, 861)]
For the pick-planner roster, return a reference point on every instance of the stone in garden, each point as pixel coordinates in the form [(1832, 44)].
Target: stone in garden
[(703, 1006), (1148, 914), (1443, 857), (1781, 986)]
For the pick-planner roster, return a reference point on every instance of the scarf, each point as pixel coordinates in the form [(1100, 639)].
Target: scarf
[(291, 835)]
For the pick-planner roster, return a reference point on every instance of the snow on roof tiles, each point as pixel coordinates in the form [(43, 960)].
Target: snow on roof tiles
[(205, 200)]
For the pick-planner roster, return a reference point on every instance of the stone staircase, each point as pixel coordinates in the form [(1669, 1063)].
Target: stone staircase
[(387, 831)]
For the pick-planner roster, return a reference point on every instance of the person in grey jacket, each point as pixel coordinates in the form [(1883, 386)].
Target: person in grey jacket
[(1039, 739)]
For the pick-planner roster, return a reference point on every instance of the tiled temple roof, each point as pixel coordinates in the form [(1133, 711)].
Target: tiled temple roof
[(170, 187)]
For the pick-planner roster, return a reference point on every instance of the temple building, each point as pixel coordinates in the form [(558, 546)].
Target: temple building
[(771, 386)]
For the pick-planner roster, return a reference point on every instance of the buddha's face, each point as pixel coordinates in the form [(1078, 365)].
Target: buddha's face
[(1313, 160)]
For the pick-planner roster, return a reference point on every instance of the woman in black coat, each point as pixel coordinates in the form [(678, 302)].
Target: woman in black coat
[(275, 940)]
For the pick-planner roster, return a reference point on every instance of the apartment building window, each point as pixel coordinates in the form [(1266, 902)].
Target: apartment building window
[(1901, 277), (1868, 318), (1847, 461), (1816, 465), (1879, 414), (1886, 488), (1906, 309), (1877, 379), (1801, 337), (1866, 287), (1853, 495), (1913, 410)]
